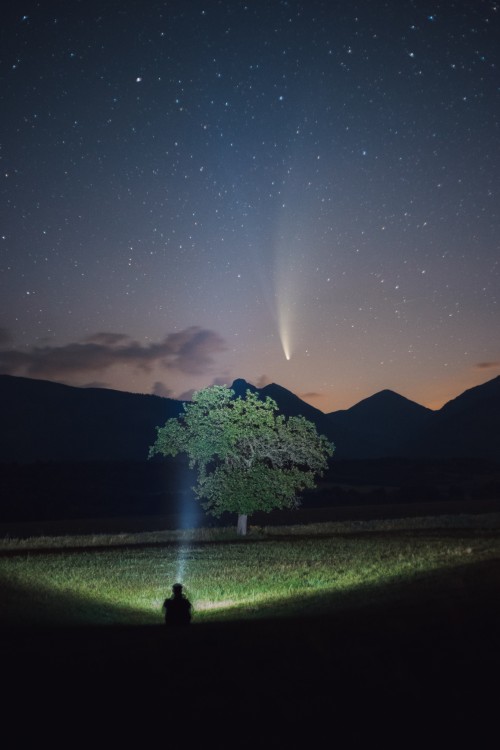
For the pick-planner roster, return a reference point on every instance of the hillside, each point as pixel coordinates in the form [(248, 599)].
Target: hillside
[(467, 426), (378, 426), (45, 421)]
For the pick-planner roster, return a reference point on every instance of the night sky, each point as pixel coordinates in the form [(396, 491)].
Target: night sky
[(298, 192)]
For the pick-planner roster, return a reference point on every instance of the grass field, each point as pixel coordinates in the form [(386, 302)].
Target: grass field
[(279, 571), (353, 630)]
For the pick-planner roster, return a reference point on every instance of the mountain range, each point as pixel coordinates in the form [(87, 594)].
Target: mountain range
[(44, 421)]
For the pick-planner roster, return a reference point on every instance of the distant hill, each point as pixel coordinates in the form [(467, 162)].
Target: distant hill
[(378, 426), (387, 425), (467, 426), (45, 421)]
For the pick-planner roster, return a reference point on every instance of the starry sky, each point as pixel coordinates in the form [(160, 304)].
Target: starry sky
[(304, 193)]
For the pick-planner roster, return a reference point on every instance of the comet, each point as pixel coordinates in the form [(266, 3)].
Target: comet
[(293, 247), (284, 331), (285, 300)]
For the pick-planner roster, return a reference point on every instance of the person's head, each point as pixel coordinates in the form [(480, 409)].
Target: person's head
[(177, 589)]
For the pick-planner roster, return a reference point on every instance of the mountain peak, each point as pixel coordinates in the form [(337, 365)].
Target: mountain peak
[(108, 425), (241, 386), (387, 399)]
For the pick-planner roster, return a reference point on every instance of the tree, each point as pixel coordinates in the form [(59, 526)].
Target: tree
[(248, 457)]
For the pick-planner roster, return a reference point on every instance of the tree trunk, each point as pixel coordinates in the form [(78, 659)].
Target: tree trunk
[(241, 528)]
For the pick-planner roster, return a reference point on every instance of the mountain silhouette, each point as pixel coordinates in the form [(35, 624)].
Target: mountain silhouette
[(378, 426), (46, 421), (388, 425), (467, 426)]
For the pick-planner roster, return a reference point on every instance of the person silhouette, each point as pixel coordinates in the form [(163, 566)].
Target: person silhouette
[(177, 607)]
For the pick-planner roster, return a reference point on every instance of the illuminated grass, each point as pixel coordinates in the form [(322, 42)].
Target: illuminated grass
[(276, 571)]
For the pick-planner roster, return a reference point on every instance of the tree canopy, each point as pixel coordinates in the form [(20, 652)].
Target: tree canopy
[(248, 456)]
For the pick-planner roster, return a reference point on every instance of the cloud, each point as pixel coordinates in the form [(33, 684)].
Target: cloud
[(487, 365), (107, 339), (188, 395), (262, 381), (5, 337), (97, 384), (189, 351), (311, 394), (160, 389), (224, 380)]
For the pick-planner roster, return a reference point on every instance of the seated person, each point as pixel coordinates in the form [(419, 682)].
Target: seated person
[(177, 607)]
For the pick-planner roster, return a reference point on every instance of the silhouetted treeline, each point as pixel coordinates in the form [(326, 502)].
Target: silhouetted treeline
[(47, 491), (70, 490), (400, 480)]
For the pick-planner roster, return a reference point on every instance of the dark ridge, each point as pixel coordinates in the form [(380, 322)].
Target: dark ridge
[(45, 421)]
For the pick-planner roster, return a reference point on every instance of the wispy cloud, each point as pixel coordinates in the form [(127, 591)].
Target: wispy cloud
[(5, 337), (262, 381), (189, 351), (188, 395), (487, 365), (160, 389)]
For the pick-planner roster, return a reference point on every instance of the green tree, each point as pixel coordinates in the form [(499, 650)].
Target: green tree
[(248, 457)]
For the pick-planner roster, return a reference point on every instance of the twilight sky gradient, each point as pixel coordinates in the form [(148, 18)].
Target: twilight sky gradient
[(192, 191)]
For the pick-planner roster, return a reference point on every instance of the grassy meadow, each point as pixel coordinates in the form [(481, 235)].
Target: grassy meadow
[(358, 629), (275, 572)]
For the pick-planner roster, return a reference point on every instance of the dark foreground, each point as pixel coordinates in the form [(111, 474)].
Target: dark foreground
[(423, 670)]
